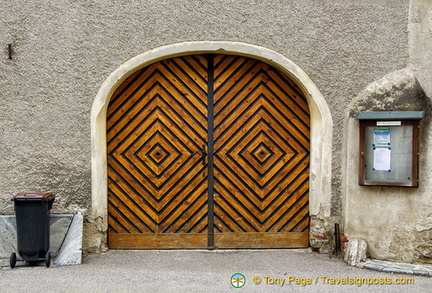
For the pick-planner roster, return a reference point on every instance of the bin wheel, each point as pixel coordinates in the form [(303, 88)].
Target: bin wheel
[(13, 260), (48, 259)]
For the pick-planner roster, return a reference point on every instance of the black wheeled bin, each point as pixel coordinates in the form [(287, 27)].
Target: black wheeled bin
[(32, 213)]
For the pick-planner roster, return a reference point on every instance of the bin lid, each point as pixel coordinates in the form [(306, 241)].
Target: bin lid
[(38, 195)]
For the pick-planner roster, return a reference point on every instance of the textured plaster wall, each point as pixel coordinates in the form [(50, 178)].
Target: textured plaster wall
[(63, 51), (420, 40), (395, 222)]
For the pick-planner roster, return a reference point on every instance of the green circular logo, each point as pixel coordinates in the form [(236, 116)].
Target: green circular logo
[(238, 280)]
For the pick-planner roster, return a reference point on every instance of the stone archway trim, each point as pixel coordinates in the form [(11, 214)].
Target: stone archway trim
[(321, 120)]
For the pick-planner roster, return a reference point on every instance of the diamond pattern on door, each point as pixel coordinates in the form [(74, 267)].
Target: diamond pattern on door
[(208, 150), (157, 122), (261, 157)]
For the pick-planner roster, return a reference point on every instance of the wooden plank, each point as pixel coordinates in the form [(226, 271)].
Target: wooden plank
[(286, 126), (236, 190), (235, 103), (131, 101), (282, 218), (186, 194), (300, 219), (293, 192), (234, 77), (233, 216), (180, 84), (118, 223), (262, 240), (122, 95), (193, 219), (186, 79), (157, 241), (128, 150), (128, 185), (183, 216), (224, 62), (129, 215), (290, 89), (177, 117)]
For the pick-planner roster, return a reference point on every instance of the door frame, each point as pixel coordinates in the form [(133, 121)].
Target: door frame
[(321, 121)]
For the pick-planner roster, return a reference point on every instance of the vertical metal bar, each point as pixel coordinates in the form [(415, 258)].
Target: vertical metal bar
[(10, 51), (337, 239), (210, 143)]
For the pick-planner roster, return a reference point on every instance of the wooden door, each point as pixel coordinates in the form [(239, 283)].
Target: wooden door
[(261, 164), (157, 186), (208, 151)]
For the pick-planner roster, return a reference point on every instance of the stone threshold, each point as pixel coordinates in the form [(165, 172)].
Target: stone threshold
[(394, 267)]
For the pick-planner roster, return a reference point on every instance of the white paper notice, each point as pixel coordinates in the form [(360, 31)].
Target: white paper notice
[(382, 159)]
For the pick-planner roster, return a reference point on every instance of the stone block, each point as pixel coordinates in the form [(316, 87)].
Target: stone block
[(356, 251), (71, 250), (372, 266), (8, 236), (58, 229)]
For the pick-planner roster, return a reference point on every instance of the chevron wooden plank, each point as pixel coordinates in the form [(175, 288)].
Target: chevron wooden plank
[(238, 217), (229, 77), (126, 89), (182, 207), (131, 101), (291, 90), (171, 115), (131, 206), (118, 223), (178, 83), (279, 217)]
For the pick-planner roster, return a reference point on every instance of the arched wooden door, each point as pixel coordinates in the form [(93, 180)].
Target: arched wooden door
[(208, 151)]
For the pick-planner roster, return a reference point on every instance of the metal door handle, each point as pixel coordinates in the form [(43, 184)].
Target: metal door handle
[(203, 154)]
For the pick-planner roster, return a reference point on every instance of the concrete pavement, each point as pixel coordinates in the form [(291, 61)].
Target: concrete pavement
[(208, 271)]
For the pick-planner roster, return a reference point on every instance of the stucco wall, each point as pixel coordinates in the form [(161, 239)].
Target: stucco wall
[(64, 50), (396, 222)]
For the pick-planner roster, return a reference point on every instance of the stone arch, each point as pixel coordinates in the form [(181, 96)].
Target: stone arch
[(321, 120)]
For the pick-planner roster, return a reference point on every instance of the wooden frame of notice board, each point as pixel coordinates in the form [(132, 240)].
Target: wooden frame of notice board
[(389, 148)]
